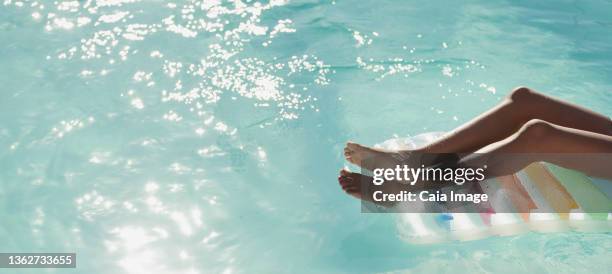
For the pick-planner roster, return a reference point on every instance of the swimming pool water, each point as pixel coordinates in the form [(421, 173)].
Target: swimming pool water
[(206, 136)]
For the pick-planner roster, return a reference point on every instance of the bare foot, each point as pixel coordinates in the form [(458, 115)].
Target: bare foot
[(372, 158), (361, 187)]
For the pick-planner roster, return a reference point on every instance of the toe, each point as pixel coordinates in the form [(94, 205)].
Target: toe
[(352, 145), (348, 151), (351, 159), (345, 182), (344, 172)]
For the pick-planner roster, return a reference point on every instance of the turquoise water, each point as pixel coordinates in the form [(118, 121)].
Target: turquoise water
[(206, 137)]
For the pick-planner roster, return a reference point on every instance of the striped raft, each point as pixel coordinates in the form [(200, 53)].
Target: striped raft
[(535, 191)]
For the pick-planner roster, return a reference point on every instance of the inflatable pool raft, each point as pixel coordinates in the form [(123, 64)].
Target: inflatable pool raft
[(547, 198)]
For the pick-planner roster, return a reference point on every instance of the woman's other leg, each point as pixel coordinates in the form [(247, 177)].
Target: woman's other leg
[(539, 140), (522, 105)]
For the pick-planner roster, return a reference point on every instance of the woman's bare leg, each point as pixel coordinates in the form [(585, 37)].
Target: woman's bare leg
[(538, 140), (522, 105)]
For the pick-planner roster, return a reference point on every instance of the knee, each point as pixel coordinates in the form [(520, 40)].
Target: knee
[(521, 94), (536, 129)]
